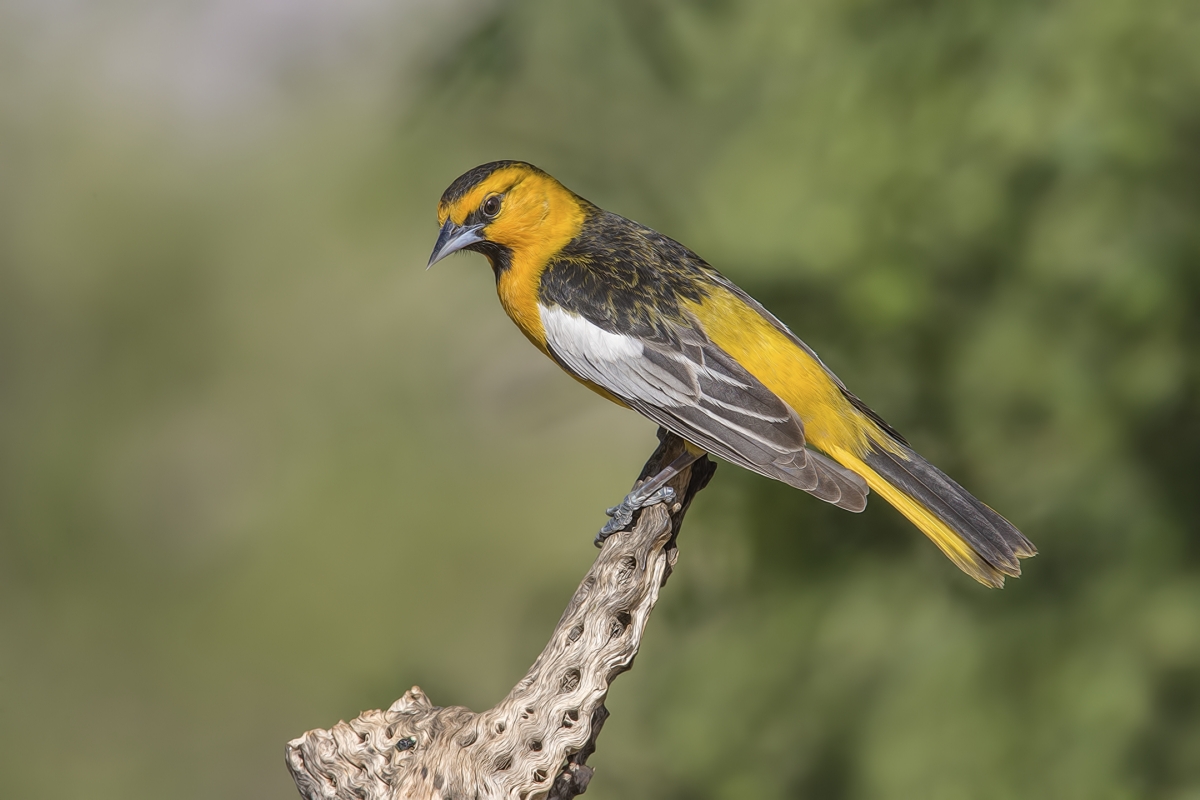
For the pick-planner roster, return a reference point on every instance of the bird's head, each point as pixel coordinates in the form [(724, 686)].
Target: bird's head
[(507, 209)]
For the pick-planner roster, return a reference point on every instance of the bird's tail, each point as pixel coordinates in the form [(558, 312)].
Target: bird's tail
[(982, 543)]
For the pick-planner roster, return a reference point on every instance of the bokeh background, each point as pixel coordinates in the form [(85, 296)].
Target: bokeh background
[(259, 471)]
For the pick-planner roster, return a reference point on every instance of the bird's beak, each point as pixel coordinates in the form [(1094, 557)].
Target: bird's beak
[(452, 239)]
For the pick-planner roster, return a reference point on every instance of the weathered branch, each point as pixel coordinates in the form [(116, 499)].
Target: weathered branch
[(536, 742)]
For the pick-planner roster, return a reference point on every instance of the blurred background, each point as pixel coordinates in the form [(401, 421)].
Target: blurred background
[(259, 471)]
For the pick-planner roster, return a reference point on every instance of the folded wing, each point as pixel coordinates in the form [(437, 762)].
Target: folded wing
[(690, 386)]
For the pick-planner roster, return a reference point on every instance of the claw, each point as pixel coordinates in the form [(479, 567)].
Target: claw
[(622, 514)]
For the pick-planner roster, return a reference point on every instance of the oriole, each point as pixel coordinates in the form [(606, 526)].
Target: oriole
[(648, 324)]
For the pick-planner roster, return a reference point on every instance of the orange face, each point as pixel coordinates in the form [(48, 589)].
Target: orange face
[(517, 216), (516, 207)]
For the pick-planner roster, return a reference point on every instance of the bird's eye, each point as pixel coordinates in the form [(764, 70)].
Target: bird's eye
[(491, 206)]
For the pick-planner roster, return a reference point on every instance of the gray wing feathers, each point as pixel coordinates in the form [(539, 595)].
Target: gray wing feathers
[(838, 485), (693, 388)]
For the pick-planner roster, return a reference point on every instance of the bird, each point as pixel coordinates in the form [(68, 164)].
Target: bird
[(644, 322)]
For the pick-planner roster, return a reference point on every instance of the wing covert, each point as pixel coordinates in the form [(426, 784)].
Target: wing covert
[(691, 387)]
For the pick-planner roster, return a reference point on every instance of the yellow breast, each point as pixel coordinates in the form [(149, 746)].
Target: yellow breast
[(518, 296), (540, 219)]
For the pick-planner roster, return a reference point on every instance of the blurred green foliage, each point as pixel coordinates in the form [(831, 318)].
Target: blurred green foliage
[(259, 471)]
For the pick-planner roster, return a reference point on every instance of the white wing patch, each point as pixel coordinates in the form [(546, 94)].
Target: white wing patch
[(612, 360), (574, 331), (690, 386), (619, 364)]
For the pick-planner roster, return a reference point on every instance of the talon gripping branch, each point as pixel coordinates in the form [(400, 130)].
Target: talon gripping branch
[(645, 322)]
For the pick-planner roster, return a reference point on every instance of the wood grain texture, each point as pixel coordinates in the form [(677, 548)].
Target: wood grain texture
[(536, 742)]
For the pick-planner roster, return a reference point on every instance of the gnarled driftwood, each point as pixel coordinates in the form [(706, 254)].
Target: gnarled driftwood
[(536, 742)]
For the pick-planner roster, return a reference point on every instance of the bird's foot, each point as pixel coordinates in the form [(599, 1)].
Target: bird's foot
[(622, 514)]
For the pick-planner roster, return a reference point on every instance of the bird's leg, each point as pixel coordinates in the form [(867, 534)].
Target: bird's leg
[(652, 491)]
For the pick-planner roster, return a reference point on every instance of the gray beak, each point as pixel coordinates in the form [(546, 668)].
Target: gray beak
[(452, 239)]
